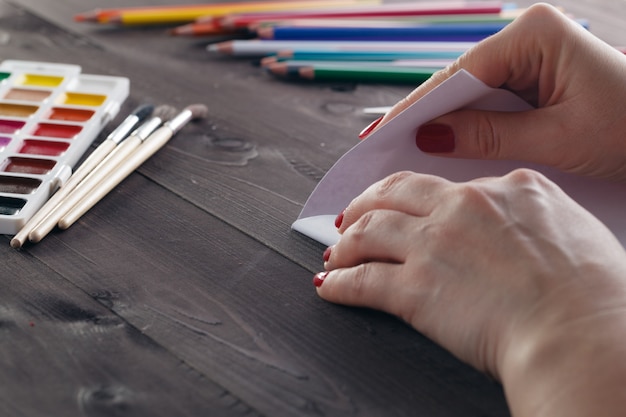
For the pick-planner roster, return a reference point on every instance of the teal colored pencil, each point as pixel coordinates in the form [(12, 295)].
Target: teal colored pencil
[(366, 55)]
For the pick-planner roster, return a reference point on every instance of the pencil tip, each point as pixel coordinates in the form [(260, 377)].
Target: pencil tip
[(278, 68), (268, 60), (265, 32), (307, 72), (221, 47), (91, 16), (181, 30)]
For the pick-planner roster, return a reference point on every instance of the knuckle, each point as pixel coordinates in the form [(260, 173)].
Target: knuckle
[(359, 280), (488, 142), (358, 231), (391, 184), (524, 178), (472, 195)]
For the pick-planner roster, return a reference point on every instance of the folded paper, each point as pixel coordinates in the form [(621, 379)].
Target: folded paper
[(392, 148)]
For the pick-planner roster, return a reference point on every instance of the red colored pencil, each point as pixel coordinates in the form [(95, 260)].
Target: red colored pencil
[(244, 20)]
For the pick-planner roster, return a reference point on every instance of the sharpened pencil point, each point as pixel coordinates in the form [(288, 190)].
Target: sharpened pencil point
[(307, 72), (278, 68)]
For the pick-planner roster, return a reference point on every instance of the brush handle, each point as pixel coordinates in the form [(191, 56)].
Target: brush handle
[(155, 142), (99, 154), (109, 164), (96, 174)]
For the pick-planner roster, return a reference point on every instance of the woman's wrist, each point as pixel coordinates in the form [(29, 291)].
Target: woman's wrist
[(574, 367)]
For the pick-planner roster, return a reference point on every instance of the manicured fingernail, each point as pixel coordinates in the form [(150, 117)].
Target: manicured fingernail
[(319, 278), (326, 256), (369, 128), (435, 138), (339, 219)]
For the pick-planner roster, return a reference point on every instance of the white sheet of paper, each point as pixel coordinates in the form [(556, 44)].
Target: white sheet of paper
[(392, 148)]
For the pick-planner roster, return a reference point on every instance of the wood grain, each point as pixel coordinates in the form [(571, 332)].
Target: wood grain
[(184, 292)]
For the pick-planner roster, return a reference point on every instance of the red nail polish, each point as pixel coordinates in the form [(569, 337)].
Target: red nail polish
[(319, 278), (339, 219), (326, 256), (370, 127), (435, 138)]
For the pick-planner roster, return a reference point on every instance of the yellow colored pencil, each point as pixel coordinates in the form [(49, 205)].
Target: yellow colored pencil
[(161, 15)]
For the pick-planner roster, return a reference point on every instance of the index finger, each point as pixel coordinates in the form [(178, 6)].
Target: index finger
[(407, 192), (501, 59)]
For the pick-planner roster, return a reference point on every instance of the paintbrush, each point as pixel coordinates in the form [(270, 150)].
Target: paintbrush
[(150, 146), (105, 148), (105, 167)]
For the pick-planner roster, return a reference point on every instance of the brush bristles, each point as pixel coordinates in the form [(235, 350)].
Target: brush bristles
[(143, 111), (165, 112), (198, 111)]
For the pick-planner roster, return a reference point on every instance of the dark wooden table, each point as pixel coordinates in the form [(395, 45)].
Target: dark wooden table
[(184, 292)]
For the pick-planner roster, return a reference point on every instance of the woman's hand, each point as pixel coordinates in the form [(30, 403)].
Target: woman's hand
[(576, 81), (509, 274)]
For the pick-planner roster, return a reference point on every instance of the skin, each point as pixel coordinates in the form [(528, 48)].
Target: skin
[(509, 274)]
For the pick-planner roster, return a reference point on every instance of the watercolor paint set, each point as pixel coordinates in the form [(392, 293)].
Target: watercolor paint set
[(50, 113)]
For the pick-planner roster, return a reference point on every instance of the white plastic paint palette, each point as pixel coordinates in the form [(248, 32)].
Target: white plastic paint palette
[(49, 116)]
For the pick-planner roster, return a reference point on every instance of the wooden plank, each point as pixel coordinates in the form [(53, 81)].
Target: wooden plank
[(63, 352), (249, 319), (184, 292)]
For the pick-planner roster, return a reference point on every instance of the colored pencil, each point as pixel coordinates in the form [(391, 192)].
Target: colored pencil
[(178, 14), (355, 70), (285, 67), (213, 27), (384, 10), (363, 55), (149, 147), (399, 21), (105, 148), (260, 48), (466, 32), (394, 75)]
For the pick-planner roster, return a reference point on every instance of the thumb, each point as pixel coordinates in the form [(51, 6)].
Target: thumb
[(475, 134)]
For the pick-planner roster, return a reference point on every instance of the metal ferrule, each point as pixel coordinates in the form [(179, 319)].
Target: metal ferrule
[(180, 120), (143, 131)]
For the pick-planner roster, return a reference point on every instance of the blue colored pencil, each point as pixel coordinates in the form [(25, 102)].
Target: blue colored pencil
[(465, 32)]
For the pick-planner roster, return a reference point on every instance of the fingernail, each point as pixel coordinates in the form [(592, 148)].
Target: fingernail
[(435, 138), (339, 219), (370, 127), (319, 278), (326, 256)]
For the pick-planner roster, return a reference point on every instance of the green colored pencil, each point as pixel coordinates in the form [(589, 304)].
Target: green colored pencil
[(390, 74)]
